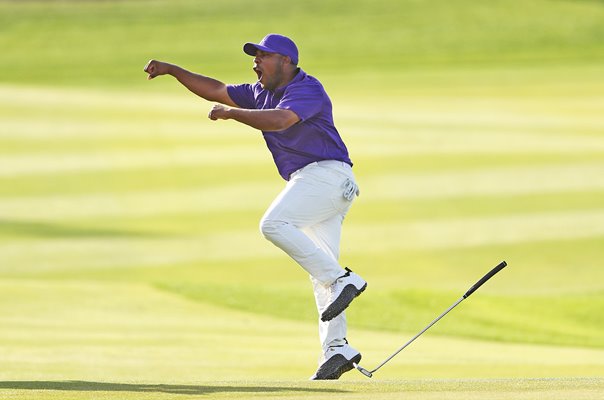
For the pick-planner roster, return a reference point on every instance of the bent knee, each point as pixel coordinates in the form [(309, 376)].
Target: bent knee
[(270, 228)]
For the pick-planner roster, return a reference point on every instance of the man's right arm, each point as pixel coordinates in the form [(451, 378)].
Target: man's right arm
[(203, 86)]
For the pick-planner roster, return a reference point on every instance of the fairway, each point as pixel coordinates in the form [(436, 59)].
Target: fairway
[(72, 340), (131, 264)]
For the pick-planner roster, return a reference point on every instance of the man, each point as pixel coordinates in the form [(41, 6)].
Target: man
[(294, 114)]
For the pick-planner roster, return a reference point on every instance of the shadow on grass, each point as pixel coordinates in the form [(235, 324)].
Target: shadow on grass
[(53, 230), (84, 386)]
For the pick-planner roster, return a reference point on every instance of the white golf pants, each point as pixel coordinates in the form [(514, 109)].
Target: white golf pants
[(305, 221)]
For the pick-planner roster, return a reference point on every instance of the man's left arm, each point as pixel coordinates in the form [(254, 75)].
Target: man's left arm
[(273, 120)]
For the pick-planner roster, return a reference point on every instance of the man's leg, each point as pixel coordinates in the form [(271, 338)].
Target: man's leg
[(315, 194), (337, 354), (327, 235), (305, 201), (305, 221)]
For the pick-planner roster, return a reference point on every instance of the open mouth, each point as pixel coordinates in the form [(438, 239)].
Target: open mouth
[(258, 72)]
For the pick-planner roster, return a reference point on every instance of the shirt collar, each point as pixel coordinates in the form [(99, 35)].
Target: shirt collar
[(297, 78)]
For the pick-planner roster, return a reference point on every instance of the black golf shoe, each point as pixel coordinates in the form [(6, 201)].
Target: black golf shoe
[(342, 292), (336, 361)]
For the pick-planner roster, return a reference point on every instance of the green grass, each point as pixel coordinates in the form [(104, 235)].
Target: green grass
[(568, 320), (70, 339), (385, 35), (131, 265), (450, 389)]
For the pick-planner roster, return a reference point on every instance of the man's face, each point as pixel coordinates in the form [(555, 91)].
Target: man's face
[(270, 68)]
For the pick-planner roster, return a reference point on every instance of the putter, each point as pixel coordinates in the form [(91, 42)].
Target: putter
[(478, 284)]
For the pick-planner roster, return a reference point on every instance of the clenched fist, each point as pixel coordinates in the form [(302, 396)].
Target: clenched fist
[(155, 68), (219, 112)]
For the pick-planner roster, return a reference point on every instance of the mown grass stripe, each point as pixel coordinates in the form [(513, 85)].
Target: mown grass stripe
[(54, 163), (454, 184), (85, 155), (436, 142), (97, 101), (468, 232), (104, 251), (147, 203), (495, 181)]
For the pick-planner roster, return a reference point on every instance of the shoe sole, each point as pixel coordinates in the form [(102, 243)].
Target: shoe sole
[(335, 367), (349, 293)]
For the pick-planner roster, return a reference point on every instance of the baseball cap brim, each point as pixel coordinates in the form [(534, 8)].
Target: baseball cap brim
[(252, 48)]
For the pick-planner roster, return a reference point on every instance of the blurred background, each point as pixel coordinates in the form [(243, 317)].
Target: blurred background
[(128, 221)]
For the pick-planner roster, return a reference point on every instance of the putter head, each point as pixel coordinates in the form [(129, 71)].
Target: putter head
[(363, 371)]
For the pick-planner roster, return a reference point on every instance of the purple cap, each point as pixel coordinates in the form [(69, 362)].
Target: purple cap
[(274, 43)]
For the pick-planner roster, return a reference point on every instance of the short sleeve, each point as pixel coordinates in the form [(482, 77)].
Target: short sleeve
[(305, 100), (242, 95)]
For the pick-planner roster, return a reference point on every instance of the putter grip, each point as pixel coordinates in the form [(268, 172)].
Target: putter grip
[(485, 278)]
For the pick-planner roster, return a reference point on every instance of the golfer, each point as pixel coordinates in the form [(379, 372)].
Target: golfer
[(294, 114)]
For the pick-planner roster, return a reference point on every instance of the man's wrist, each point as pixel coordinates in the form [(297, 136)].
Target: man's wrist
[(171, 69), (228, 112)]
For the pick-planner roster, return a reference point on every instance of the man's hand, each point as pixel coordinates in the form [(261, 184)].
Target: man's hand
[(219, 112), (155, 68)]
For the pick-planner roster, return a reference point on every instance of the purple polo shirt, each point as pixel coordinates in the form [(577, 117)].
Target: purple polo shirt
[(313, 138)]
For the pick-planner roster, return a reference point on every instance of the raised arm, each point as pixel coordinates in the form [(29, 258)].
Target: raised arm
[(203, 86)]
